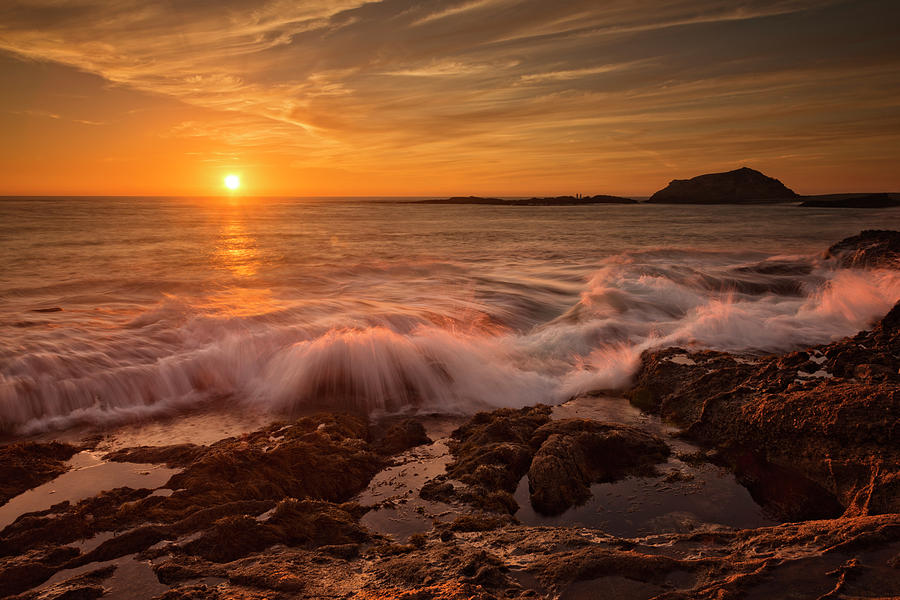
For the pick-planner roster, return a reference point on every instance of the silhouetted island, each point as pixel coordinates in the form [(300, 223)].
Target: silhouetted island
[(741, 186), (852, 201), (552, 201)]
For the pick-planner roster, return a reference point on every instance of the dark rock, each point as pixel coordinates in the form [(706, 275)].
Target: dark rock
[(549, 201), (871, 248), (574, 453), (402, 436), (478, 522), (836, 435), (741, 186), (82, 587), (852, 201), (180, 455), (24, 465), (492, 453)]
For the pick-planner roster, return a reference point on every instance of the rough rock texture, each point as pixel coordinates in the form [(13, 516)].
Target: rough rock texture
[(302, 472), (871, 248), (493, 451), (828, 414), (82, 587), (844, 558), (741, 186), (25, 465), (574, 453), (401, 436)]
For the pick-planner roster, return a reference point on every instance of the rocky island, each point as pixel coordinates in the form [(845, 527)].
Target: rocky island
[(741, 186), (292, 510)]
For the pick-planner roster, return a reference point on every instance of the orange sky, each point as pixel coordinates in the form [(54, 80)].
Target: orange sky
[(490, 97)]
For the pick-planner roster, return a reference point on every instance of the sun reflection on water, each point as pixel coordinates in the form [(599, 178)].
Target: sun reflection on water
[(237, 250)]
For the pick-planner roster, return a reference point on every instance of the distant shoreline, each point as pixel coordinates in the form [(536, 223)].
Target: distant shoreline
[(843, 200)]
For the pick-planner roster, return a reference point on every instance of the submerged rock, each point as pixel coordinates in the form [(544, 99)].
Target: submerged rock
[(741, 186)]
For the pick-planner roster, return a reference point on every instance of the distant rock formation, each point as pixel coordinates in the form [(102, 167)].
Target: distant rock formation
[(742, 186), (551, 201), (852, 201)]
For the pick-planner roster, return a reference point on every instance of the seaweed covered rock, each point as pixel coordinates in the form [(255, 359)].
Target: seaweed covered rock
[(827, 414), (301, 471), (24, 465), (401, 436), (574, 453), (492, 452)]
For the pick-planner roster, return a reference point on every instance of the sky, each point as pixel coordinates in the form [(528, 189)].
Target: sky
[(445, 97)]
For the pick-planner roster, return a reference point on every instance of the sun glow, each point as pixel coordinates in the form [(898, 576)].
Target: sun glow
[(232, 182)]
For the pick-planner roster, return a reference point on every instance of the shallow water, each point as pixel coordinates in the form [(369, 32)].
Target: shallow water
[(88, 475), (275, 306)]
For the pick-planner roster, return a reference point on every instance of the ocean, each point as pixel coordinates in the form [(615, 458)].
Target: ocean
[(121, 309)]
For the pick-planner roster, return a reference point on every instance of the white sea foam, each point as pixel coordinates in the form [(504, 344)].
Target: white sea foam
[(178, 355), (279, 306)]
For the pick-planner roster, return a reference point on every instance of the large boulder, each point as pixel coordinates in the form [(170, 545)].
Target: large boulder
[(741, 186)]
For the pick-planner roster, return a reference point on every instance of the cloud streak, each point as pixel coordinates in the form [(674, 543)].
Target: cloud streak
[(479, 90)]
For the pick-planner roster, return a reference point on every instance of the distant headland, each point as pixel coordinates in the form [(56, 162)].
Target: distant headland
[(740, 186), (550, 201)]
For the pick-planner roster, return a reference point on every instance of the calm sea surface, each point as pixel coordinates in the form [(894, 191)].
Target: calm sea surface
[(118, 308)]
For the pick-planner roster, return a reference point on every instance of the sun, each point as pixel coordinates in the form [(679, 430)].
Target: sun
[(232, 182)]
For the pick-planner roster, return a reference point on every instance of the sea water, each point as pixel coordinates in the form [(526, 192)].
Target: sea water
[(116, 309)]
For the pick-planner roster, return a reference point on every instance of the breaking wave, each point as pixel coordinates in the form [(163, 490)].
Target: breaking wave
[(510, 342)]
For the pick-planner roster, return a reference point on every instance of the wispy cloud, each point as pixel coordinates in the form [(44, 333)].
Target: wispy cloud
[(479, 87)]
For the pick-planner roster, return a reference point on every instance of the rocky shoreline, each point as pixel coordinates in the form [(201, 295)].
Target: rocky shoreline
[(281, 512)]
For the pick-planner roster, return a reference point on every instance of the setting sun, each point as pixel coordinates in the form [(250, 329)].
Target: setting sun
[(232, 182)]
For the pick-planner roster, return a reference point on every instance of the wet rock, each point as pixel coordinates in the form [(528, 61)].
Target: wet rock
[(24, 465), (186, 567), (437, 490), (871, 248), (478, 522), (492, 452), (322, 460), (180, 455), (574, 453), (834, 429), (231, 538), (402, 436), (325, 458), (83, 587)]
